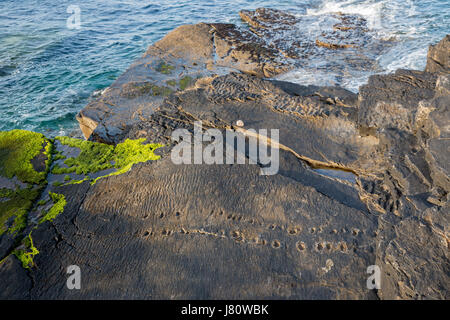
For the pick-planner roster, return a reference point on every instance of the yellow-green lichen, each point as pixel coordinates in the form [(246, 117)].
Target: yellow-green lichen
[(27, 254), (17, 149), (95, 156)]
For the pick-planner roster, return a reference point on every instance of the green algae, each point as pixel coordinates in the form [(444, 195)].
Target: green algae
[(172, 83), (164, 68), (130, 152), (41, 202), (19, 202), (28, 250), (58, 156), (150, 88), (161, 91), (17, 149), (6, 193), (59, 202), (57, 184), (27, 254), (185, 82), (95, 157), (77, 181)]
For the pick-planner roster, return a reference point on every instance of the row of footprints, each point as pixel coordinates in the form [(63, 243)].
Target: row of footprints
[(239, 237), (291, 230)]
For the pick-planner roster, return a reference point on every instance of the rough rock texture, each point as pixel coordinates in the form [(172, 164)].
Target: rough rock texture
[(363, 180), (439, 56), (409, 111)]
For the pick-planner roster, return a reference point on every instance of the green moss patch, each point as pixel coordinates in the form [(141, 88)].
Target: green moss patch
[(161, 91), (27, 254), (164, 68), (19, 202), (41, 202), (149, 88), (185, 82), (95, 157), (59, 202), (21, 151), (17, 149), (172, 83), (58, 156)]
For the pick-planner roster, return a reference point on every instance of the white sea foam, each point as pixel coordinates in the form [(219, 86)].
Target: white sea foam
[(394, 20), (403, 60), (371, 10)]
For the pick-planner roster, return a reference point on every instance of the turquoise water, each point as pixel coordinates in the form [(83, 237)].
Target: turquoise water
[(48, 72)]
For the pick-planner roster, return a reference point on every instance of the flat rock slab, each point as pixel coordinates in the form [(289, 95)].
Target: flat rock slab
[(362, 180), (204, 231)]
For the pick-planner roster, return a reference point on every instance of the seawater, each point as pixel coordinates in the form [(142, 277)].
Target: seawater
[(49, 72)]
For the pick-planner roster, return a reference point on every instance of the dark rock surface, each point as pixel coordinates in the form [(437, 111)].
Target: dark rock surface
[(166, 231)]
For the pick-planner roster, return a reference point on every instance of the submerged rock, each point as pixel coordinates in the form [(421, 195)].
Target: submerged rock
[(363, 180)]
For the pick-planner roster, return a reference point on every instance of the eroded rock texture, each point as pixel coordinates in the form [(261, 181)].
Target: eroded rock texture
[(363, 180), (439, 56)]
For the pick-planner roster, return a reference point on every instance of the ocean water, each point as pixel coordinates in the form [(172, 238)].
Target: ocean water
[(49, 72)]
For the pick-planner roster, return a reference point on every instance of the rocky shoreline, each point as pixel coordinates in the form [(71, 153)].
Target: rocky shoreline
[(363, 178)]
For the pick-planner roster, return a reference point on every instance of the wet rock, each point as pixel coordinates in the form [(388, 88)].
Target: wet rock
[(300, 46)]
